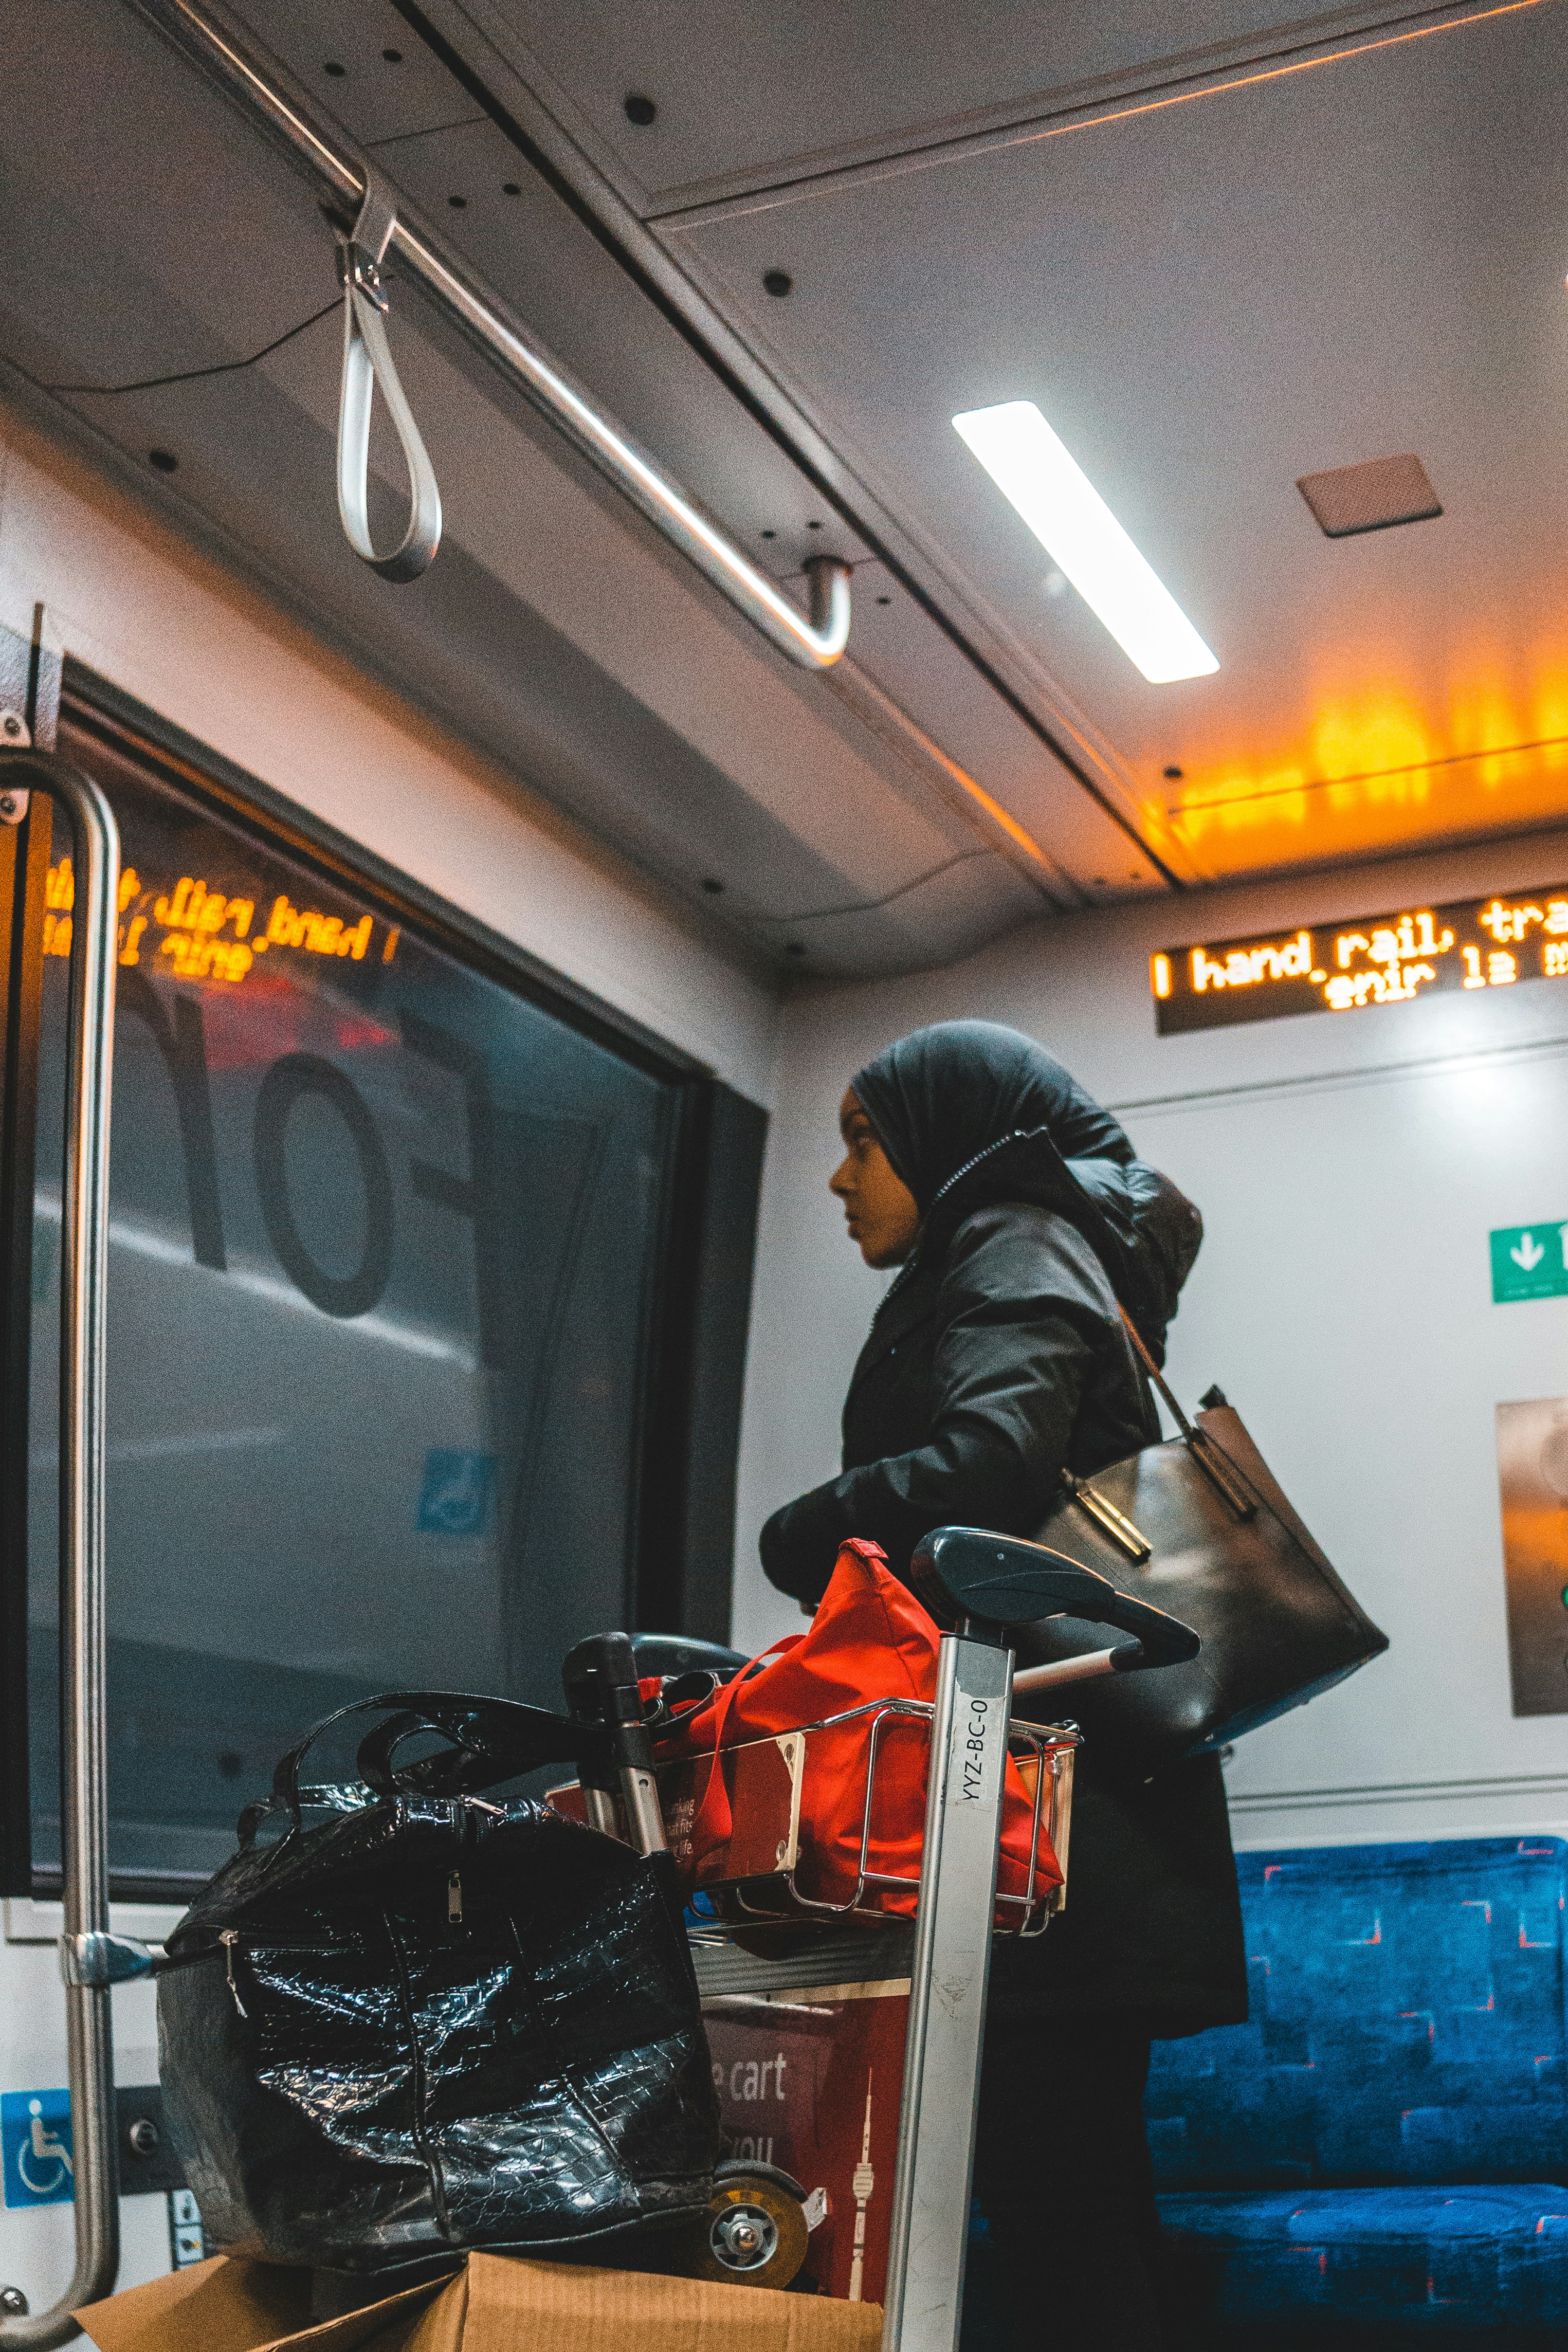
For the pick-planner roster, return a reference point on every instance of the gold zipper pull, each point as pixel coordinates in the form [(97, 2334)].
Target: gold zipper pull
[(228, 1938), (455, 1895)]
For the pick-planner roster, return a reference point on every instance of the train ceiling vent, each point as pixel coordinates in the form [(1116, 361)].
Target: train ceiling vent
[(1374, 497)]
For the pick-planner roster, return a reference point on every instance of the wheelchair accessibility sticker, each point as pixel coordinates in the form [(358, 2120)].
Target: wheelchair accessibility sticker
[(35, 2148), (455, 1499)]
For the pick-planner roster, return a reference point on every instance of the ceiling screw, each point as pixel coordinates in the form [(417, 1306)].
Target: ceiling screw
[(640, 110), (162, 461), (11, 726), (1174, 775), (777, 282)]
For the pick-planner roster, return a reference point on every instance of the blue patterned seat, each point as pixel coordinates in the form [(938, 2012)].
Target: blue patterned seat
[(1385, 2143)]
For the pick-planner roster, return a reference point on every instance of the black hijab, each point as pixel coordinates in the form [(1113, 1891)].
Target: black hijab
[(940, 1097), (968, 1092)]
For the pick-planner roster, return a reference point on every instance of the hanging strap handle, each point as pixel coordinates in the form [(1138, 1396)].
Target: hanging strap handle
[(367, 360), (1210, 1456)]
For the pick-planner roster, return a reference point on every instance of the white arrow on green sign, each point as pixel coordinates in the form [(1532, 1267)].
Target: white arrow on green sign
[(1529, 1262)]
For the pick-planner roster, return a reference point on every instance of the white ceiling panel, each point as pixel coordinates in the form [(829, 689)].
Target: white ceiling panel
[(760, 96), (362, 64), (211, 252), (1207, 300)]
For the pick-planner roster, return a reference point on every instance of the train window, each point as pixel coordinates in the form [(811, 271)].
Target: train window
[(386, 1244)]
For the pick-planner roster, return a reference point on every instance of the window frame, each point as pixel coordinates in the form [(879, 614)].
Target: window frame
[(686, 1440)]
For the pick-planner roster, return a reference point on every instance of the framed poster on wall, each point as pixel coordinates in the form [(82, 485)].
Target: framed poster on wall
[(1533, 1477)]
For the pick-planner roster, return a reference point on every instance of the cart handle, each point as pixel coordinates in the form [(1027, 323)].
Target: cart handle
[(602, 1686), (1004, 1580)]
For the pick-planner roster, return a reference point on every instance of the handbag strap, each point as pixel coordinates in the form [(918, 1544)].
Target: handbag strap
[(1210, 1456), (1156, 1375)]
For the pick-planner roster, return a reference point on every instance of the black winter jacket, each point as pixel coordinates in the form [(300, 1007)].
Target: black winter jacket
[(999, 1358)]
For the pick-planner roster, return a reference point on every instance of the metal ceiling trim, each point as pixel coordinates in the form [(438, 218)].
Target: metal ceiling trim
[(814, 643)]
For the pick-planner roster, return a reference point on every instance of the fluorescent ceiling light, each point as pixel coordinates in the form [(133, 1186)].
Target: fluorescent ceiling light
[(1078, 531)]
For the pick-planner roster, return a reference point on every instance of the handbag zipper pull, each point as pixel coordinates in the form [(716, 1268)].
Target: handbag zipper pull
[(455, 1895), (228, 1938)]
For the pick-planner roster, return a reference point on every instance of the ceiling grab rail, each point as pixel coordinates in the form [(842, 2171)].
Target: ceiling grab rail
[(367, 360), (814, 640), (91, 1959)]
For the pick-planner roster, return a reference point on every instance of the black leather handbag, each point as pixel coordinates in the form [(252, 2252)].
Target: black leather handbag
[(417, 2023), (1198, 1527)]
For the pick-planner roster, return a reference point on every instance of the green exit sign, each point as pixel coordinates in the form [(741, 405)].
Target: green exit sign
[(1529, 1262)]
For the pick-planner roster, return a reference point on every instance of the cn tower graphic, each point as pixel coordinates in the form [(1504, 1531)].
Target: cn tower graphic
[(862, 2183)]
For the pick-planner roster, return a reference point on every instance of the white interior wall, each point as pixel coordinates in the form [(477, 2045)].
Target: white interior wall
[(172, 626), (1349, 1168)]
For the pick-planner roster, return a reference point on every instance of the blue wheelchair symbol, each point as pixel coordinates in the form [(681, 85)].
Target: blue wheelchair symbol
[(455, 1499), (36, 2149)]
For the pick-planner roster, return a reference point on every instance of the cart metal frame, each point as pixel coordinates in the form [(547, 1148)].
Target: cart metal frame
[(955, 1919)]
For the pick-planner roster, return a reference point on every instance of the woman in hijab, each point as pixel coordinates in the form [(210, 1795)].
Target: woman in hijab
[(1024, 1223)]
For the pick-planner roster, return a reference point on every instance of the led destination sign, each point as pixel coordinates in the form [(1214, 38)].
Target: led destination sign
[(1372, 960), (191, 933)]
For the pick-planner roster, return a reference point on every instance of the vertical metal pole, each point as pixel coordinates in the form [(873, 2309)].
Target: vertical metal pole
[(947, 1998), (84, 1269)]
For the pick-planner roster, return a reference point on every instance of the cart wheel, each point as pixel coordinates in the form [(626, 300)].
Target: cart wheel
[(753, 2232)]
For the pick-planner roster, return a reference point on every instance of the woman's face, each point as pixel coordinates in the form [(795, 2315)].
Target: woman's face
[(878, 1205)]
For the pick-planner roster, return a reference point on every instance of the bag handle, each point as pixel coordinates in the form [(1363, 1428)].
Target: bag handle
[(1210, 1456), (711, 1812), (1156, 1375), (493, 1737)]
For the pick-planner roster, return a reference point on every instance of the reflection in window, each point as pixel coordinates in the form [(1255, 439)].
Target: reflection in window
[(383, 1243)]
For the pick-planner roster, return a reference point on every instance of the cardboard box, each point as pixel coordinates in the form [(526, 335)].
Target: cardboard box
[(496, 2304)]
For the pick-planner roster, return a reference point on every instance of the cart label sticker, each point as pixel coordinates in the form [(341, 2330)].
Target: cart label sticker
[(35, 2148), (979, 1739), (1529, 1262)]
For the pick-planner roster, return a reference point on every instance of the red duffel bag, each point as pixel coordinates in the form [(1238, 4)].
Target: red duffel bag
[(871, 1639)]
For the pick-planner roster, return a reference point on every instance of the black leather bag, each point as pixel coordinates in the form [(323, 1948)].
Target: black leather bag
[(418, 2023), (1198, 1527)]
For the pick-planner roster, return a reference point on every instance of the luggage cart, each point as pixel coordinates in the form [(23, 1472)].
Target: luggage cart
[(988, 1583)]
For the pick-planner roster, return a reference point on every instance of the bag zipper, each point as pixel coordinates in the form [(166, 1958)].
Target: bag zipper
[(228, 1938)]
